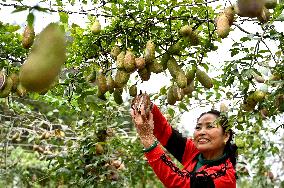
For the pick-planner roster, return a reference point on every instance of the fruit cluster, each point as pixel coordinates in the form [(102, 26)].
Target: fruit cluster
[(244, 8)]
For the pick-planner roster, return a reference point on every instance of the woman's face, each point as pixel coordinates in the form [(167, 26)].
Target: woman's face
[(208, 136)]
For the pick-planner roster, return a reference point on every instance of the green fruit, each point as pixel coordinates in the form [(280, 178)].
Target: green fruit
[(140, 63), (270, 4), (110, 84), (259, 96), (190, 75), (99, 149), (2, 80), (247, 107), (181, 79), (101, 95), (194, 39), (250, 101), (7, 89), (120, 60), (264, 113), (223, 26), (96, 27), (259, 79), (21, 91), (189, 89), (171, 96), (133, 91), (121, 78), (186, 31), (144, 74), (279, 102), (28, 37), (45, 60), (230, 14), (173, 67), (129, 61), (204, 79), (102, 83), (155, 67), (180, 94), (249, 8), (164, 60), (150, 51), (92, 77), (115, 51), (117, 97), (175, 49), (264, 16), (15, 79)]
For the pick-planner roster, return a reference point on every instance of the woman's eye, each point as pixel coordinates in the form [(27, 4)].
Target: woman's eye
[(197, 128), (210, 126)]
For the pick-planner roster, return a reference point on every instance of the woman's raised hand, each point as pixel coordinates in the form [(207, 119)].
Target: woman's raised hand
[(143, 118)]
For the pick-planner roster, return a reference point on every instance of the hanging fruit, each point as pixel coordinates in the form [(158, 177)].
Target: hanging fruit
[(110, 84), (121, 78), (264, 16), (96, 27), (204, 79), (45, 60), (4, 92), (144, 74), (230, 14), (150, 51), (249, 8), (223, 26), (155, 67), (189, 89), (140, 63), (120, 60), (2, 79), (129, 61), (28, 37), (181, 79), (270, 4), (117, 96), (115, 51), (133, 90), (102, 83)]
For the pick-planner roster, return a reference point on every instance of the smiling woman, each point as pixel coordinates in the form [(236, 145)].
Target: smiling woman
[(208, 160)]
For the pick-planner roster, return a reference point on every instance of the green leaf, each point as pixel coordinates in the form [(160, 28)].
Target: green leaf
[(20, 9), (183, 106), (171, 112), (38, 8), (63, 17), (30, 19)]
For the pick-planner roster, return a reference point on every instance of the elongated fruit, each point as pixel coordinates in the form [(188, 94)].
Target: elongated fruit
[(7, 89), (204, 79), (223, 26), (45, 60), (250, 8), (28, 37)]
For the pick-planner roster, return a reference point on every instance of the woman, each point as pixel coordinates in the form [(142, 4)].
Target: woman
[(208, 159)]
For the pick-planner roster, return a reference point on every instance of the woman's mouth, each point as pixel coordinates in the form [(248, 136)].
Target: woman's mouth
[(203, 141)]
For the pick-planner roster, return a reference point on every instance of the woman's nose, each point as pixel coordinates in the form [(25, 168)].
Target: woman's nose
[(202, 131)]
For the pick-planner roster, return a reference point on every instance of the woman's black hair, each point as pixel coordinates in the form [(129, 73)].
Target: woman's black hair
[(230, 149)]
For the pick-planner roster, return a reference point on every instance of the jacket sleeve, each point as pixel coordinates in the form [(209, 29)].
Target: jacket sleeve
[(170, 138), (172, 176), (168, 174)]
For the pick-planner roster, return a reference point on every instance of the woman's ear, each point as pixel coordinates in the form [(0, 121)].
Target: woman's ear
[(227, 136)]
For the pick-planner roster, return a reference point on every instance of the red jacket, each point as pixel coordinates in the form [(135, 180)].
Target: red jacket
[(184, 150)]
